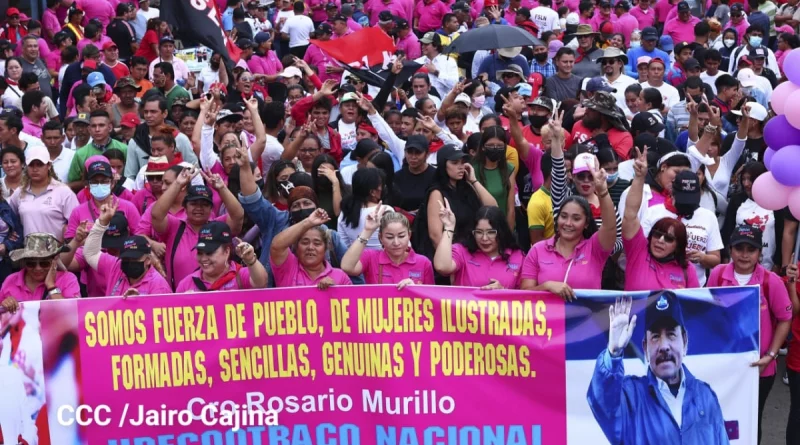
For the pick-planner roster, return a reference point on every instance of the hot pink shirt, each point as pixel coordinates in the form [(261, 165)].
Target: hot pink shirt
[(48, 212), (775, 306), (319, 15), (741, 29), (663, 7), (14, 285), (185, 257), (292, 274), (102, 10), (317, 57), (266, 64), (477, 269), (429, 15), (598, 19), (86, 196), (681, 31), (88, 211), (645, 273), (644, 18), (53, 60), (379, 269), (375, 7), (583, 270), (143, 200), (188, 284), (409, 44), (103, 39), (626, 24), (33, 128), (50, 24), (145, 227)]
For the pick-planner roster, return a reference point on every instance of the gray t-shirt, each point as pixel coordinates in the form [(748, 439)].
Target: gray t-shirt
[(723, 14), (562, 89), (40, 69)]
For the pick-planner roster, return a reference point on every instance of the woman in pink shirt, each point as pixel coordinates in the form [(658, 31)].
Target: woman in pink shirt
[(217, 272), (658, 261), (154, 178), (39, 279), (307, 267), (489, 259), (396, 263), (776, 302), (132, 271), (574, 258)]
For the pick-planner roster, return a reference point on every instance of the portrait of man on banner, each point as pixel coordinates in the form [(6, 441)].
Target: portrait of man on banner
[(668, 405)]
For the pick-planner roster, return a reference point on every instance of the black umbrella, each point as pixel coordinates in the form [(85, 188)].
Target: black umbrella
[(491, 37)]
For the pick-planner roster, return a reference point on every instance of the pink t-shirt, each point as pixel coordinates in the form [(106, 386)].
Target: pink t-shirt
[(48, 212), (50, 23), (292, 274), (266, 64), (319, 15), (185, 257), (102, 11), (429, 15), (145, 227), (534, 164), (681, 31), (143, 200), (477, 269), (626, 24), (317, 57), (775, 306), (85, 196), (583, 270), (643, 272), (598, 19), (375, 7), (109, 269), (379, 269), (662, 8), (409, 44), (95, 285), (88, 211), (188, 284), (14, 285), (644, 17)]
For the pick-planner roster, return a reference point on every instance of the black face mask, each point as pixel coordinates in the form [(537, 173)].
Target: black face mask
[(538, 121), (260, 184), (686, 210), (541, 57), (284, 188), (299, 215), (214, 66), (698, 98), (133, 269), (494, 155)]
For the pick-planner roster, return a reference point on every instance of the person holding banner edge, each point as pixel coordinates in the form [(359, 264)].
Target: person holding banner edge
[(668, 405)]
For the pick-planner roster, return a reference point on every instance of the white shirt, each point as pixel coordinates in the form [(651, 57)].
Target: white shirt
[(272, 153), (447, 77), (668, 92), (348, 172), (299, 28), (208, 77), (62, 163), (348, 134), (755, 215), (178, 65), (544, 17), (674, 403), (13, 97), (711, 80), (620, 84), (702, 232), (349, 235), (721, 179), (151, 13)]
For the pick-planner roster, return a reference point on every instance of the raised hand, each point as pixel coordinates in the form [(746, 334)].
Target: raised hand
[(470, 173), (82, 232), (107, 212), (374, 218), (365, 104), (318, 218), (600, 180), (50, 279), (556, 124), (621, 325), (252, 104), (691, 105), (428, 123), (446, 215), (715, 116), (242, 157), (640, 164), (214, 180), (329, 173), (186, 176), (397, 65), (245, 251), (328, 87)]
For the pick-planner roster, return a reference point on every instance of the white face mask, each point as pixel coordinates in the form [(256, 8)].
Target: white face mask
[(729, 42)]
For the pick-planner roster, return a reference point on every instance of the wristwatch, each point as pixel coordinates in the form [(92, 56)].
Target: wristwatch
[(773, 355), (53, 291)]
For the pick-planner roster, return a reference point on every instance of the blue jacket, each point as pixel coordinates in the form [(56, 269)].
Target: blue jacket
[(630, 410), (14, 227), (635, 53)]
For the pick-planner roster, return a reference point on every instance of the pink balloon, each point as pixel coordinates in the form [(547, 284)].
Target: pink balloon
[(792, 109), (794, 201), (771, 194), (780, 96)]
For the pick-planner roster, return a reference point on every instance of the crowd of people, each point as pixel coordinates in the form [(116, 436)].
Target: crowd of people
[(617, 152)]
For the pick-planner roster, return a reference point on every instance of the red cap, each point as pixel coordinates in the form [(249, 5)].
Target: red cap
[(89, 63), (109, 44), (658, 60), (490, 3), (130, 120), (12, 11), (219, 85), (368, 128)]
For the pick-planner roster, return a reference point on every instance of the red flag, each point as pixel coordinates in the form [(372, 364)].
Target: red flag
[(367, 47)]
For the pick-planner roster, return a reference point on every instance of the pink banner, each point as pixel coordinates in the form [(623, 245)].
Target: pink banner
[(350, 365)]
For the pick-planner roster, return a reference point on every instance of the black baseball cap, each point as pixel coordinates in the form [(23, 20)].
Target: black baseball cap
[(6, 44), (401, 23), (363, 148), (198, 193), (663, 310), (645, 122), (684, 7), (116, 233), (649, 33), (385, 17), (686, 188), (417, 143), (737, 7), (449, 152), (340, 18), (746, 234), (135, 247), (691, 64), (99, 168), (166, 39), (525, 12), (213, 235), (331, 6), (604, 4), (324, 28), (681, 46), (757, 53), (462, 6)]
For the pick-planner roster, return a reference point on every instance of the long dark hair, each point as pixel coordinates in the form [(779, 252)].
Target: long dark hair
[(495, 132), (384, 163), (271, 182), (591, 224), (324, 186), (497, 219), (364, 181)]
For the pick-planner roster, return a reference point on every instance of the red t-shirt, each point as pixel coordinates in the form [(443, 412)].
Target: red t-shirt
[(621, 141), (145, 48), (536, 139), (120, 70)]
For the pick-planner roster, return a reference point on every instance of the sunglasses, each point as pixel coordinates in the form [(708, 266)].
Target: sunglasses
[(608, 61), (155, 178), (584, 177), (668, 237), (353, 81), (43, 264)]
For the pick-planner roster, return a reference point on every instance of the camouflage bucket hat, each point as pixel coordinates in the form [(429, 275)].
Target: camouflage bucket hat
[(126, 82), (37, 245), (604, 103)]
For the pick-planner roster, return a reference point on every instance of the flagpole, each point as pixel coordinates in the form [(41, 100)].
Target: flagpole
[(796, 244)]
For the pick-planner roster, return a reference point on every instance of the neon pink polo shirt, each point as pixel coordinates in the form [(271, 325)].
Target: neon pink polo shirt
[(476, 269), (85, 196), (95, 284), (598, 19), (317, 57), (188, 284), (51, 24), (775, 306), (645, 273), (14, 285), (46, 213), (430, 15), (644, 17), (626, 24), (379, 269), (109, 269), (409, 44), (292, 274), (185, 256), (88, 211), (145, 227), (681, 31), (376, 7), (143, 200), (662, 8), (544, 263)]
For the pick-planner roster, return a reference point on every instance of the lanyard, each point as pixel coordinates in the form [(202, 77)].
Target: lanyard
[(116, 286)]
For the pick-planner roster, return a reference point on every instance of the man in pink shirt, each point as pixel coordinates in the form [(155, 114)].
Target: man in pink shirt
[(644, 14), (264, 60), (326, 66), (61, 40), (602, 14), (340, 28), (50, 23), (407, 40), (681, 29), (663, 8), (375, 7), (34, 108), (625, 23), (428, 15), (100, 10)]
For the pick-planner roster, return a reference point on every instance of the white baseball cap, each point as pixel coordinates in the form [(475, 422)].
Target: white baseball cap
[(747, 77), (584, 162), (37, 153), (757, 111), (463, 98), (291, 71)]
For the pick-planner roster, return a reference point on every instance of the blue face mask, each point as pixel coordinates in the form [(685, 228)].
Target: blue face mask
[(755, 41), (611, 178), (636, 44), (100, 191)]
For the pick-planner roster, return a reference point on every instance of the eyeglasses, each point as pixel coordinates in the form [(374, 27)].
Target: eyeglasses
[(507, 75), (737, 15), (491, 234), (246, 79), (43, 264), (155, 178), (668, 237)]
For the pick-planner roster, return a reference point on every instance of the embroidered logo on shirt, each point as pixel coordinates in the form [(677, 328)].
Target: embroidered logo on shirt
[(414, 274), (675, 278)]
